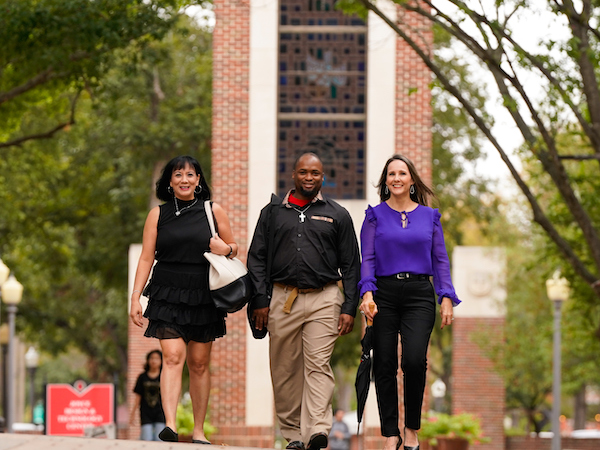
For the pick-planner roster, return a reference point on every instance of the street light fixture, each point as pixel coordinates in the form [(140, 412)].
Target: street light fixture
[(32, 359), (558, 292), (4, 271), (438, 390), (12, 291)]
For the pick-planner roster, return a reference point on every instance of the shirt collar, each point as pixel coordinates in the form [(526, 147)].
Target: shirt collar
[(287, 204)]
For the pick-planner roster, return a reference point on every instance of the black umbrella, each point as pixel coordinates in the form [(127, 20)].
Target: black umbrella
[(363, 374)]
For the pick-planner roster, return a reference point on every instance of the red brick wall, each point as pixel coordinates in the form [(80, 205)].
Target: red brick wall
[(231, 53), (476, 388), (138, 347), (528, 443), (413, 97)]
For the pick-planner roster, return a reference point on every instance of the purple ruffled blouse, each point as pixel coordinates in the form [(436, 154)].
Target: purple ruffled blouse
[(387, 248)]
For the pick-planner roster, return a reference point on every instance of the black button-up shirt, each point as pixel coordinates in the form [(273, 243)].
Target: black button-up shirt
[(307, 254)]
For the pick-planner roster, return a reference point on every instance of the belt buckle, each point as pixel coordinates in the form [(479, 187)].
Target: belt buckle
[(402, 276)]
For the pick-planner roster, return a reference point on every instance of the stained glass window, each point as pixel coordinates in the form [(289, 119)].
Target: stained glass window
[(322, 94)]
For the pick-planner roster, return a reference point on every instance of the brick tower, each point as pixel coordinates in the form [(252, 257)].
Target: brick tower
[(292, 76)]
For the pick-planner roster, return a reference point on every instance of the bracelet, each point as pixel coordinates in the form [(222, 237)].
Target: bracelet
[(230, 251), (135, 290)]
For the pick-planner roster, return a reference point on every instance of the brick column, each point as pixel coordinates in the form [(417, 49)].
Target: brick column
[(138, 347), (413, 96), (231, 54), (478, 275), (476, 388)]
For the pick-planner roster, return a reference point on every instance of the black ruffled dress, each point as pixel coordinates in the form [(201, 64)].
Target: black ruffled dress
[(179, 298)]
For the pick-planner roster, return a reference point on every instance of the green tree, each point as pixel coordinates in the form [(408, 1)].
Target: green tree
[(52, 50), (525, 353), (76, 202), (567, 74)]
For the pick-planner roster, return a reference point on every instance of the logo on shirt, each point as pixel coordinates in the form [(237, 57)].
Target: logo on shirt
[(324, 219)]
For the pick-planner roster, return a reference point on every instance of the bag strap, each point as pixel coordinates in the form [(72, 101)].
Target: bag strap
[(209, 216)]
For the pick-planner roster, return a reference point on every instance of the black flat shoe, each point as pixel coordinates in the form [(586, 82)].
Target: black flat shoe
[(168, 435), (198, 441)]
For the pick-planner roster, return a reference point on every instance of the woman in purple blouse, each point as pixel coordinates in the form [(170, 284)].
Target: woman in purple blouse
[(402, 246)]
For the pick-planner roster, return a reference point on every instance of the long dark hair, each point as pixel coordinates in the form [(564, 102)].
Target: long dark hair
[(147, 365), (422, 191), (179, 162)]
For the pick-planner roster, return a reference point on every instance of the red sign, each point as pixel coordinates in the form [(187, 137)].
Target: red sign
[(69, 410)]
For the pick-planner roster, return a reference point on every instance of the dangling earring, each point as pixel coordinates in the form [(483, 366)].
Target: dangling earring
[(198, 189), (412, 189), (170, 190), (386, 191)]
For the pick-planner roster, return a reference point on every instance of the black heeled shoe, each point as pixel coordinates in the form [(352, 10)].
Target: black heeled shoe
[(168, 435), (399, 444)]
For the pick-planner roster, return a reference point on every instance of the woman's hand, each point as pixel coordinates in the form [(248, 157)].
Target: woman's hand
[(446, 312), (219, 247), (368, 307), (136, 312)]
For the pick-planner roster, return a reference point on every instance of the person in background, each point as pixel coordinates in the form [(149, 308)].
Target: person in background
[(147, 398), (180, 309), (300, 301), (402, 246), (339, 436)]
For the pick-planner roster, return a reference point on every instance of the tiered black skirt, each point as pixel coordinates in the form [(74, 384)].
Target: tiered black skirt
[(180, 304)]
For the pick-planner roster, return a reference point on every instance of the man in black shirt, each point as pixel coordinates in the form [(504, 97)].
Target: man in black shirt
[(313, 246)]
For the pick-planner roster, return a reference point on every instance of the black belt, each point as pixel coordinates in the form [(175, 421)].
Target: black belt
[(408, 276)]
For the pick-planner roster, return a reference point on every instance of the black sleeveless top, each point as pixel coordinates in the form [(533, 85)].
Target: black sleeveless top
[(180, 304)]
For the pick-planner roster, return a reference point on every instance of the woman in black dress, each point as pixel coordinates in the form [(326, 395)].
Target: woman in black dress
[(180, 310)]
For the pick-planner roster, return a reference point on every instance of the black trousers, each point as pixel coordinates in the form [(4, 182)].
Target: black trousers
[(406, 307)]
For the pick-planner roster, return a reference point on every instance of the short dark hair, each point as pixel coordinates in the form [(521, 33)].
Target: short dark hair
[(422, 191), (147, 365), (306, 154), (179, 162)]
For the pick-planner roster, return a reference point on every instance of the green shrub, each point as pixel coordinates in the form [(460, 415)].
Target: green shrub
[(465, 426)]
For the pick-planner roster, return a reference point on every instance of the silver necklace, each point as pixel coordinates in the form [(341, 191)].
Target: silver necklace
[(301, 216), (179, 211)]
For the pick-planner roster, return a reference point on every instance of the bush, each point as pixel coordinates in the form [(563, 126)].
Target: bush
[(465, 426)]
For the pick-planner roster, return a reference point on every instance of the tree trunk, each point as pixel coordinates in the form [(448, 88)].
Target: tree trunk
[(580, 409)]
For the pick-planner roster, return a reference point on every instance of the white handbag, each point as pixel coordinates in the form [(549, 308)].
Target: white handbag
[(228, 278)]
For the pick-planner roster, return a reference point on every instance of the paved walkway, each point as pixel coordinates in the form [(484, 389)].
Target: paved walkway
[(39, 442)]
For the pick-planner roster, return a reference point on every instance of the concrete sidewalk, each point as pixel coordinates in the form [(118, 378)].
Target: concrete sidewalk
[(40, 442)]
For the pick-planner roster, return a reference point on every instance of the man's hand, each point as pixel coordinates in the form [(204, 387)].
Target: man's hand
[(260, 317), (345, 324)]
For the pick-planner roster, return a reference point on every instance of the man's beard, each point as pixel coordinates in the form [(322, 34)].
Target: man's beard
[(310, 194)]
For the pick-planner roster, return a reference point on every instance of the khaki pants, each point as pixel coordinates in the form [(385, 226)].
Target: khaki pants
[(301, 344)]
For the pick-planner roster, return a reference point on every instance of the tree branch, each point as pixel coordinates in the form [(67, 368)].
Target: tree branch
[(580, 157), (48, 134), (40, 78)]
